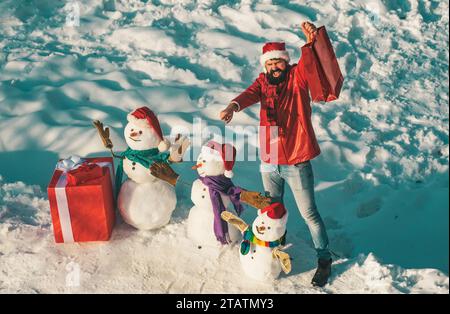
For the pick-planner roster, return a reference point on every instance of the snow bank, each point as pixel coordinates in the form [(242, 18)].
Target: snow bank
[(131, 261)]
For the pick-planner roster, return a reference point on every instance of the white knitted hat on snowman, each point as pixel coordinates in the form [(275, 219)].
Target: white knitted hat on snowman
[(145, 118), (226, 151)]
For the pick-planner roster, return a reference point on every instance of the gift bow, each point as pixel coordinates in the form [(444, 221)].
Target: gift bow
[(70, 163), (79, 170)]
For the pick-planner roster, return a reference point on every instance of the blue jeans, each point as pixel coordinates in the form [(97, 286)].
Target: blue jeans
[(300, 179)]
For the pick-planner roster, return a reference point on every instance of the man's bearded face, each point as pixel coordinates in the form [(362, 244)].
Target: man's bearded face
[(276, 71)]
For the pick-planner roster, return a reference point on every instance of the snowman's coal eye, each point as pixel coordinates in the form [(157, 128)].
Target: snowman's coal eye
[(132, 130), (268, 228), (140, 132), (203, 160)]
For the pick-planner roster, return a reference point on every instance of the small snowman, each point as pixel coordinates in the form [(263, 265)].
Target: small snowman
[(211, 194), (144, 201), (260, 252)]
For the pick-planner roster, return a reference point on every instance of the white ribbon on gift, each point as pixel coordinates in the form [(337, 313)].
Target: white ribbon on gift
[(66, 165)]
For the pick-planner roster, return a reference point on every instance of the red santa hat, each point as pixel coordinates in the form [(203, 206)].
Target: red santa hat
[(146, 119), (226, 151), (274, 211), (274, 50)]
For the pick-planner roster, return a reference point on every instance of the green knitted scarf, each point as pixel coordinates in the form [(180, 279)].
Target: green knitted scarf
[(143, 157)]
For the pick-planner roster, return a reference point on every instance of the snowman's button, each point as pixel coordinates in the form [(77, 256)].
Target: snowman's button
[(134, 163), (254, 251), (133, 168), (204, 189), (203, 196), (252, 257)]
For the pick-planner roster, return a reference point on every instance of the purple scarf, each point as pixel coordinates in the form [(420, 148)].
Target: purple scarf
[(217, 185)]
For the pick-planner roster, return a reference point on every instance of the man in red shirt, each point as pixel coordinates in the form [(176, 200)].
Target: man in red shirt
[(283, 93)]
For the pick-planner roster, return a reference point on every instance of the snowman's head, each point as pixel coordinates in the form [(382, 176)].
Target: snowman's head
[(216, 159), (209, 163), (270, 225), (143, 131), (140, 138)]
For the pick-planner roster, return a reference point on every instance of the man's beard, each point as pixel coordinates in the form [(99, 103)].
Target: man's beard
[(276, 80)]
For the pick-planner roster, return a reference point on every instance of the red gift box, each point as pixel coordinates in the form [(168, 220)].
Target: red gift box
[(81, 195), (324, 75)]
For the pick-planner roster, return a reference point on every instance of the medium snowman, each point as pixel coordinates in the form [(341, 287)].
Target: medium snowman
[(144, 201), (212, 193), (260, 252)]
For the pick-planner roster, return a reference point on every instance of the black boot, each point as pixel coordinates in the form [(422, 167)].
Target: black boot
[(322, 274)]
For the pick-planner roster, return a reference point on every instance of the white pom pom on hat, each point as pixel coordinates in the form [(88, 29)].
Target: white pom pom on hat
[(228, 154), (228, 173), (164, 145)]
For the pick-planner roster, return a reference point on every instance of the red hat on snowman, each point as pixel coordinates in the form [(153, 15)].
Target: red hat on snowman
[(274, 211), (226, 151), (274, 50), (146, 119)]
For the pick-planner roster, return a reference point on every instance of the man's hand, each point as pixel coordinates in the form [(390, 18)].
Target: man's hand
[(164, 172), (310, 31), (227, 114)]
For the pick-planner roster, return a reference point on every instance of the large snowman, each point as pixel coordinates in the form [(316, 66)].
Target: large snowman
[(260, 254), (211, 194), (144, 201)]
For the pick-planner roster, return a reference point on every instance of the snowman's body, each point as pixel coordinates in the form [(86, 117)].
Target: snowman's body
[(201, 216), (138, 173), (259, 263), (144, 201)]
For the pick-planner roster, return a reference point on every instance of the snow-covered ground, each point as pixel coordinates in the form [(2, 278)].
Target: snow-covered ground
[(381, 180)]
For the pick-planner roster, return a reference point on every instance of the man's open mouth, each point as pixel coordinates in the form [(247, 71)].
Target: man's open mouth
[(134, 139)]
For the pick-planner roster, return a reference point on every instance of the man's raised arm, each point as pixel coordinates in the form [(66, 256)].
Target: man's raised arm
[(318, 67)]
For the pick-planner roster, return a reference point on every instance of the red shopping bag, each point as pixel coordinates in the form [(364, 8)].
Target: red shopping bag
[(322, 69)]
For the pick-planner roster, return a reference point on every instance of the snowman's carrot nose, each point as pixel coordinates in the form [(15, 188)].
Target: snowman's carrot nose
[(133, 134), (196, 166)]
